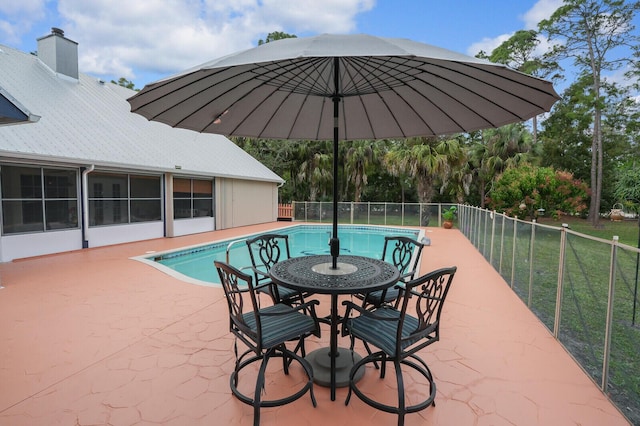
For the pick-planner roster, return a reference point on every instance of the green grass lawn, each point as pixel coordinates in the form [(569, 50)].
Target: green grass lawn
[(585, 294), (626, 230)]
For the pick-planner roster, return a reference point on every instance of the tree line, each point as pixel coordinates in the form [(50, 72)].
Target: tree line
[(577, 159), (580, 158)]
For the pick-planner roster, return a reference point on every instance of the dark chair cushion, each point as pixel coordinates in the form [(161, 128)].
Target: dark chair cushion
[(278, 329), (382, 334)]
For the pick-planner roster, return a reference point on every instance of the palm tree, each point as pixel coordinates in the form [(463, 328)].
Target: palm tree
[(316, 171), (425, 160), (358, 158), (499, 149)]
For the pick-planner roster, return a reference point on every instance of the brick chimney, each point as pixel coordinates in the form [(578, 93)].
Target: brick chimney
[(59, 53)]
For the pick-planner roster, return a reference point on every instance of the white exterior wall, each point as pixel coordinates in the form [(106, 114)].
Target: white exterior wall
[(243, 202), (193, 226), (237, 203), (99, 236), (38, 244)]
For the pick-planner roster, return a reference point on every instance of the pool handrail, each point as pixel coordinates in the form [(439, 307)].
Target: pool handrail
[(231, 244)]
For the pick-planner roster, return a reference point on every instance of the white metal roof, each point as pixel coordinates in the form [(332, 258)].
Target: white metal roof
[(87, 121)]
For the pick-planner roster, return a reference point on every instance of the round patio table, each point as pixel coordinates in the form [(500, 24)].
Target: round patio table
[(314, 274)]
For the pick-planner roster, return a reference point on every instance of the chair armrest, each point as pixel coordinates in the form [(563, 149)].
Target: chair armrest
[(371, 314), (308, 308), (259, 273), (406, 275), (263, 285), (350, 305)]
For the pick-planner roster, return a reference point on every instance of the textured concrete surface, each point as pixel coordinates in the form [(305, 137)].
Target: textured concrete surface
[(95, 338)]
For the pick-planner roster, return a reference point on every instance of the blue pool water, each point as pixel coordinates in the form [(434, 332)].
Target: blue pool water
[(195, 264)]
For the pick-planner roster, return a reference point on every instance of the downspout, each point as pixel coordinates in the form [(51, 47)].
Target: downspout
[(84, 189), (279, 200)]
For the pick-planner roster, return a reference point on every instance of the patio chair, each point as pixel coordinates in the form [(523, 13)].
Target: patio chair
[(265, 251), (399, 251), (399, 335), (265, 332)]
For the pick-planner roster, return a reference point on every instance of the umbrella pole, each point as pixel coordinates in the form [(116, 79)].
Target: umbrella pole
[(335, 242)]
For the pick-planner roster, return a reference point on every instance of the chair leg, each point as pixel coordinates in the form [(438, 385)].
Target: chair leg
[(401, 397), (401, 408), (427, 373), (369, 352), (260, 388)]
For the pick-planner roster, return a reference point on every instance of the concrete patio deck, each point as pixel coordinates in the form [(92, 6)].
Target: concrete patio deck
[(95, 338)]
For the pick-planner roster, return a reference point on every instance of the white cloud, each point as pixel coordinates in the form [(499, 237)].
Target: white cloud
[(487, 44), (22, 7), (543, 9), (327, 16), (21, 16), (166, 36)]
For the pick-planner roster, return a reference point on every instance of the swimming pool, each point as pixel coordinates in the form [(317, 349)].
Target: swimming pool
[(195, 264)]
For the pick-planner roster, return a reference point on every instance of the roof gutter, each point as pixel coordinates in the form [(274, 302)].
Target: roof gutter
[(84, 190)]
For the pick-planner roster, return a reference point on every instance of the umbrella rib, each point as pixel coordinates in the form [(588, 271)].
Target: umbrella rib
[(228, 106), (394, 91), (251, 74), (318, 66), (312, 64), (368, 80), (404, 62), (470, 90), (172, 92), (520, 117), (422, 80), (409, 105)]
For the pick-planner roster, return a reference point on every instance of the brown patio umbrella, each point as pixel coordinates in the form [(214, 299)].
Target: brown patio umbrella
[(344, 87)]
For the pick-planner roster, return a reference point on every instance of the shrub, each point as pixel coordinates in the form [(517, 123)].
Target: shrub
[(523, 190)]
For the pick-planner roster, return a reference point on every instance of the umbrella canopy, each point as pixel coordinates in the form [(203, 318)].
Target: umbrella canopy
[(344, 87)]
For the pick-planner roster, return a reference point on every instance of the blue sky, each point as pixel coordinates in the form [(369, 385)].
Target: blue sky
[(145, 40)]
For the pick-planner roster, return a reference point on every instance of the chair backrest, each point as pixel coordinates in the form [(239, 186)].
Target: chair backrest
[(429, 292), (238, 290), (267, 249), (400, 251)]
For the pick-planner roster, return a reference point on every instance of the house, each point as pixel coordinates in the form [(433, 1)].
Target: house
[(12, 112), (79, 170)]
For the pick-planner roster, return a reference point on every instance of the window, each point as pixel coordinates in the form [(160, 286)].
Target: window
[(123, 198), (36, 199), (192, 198)]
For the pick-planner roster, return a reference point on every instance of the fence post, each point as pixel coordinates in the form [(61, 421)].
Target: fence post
[(504, 218), (352, 206), (513, 252), (609, 322), (563, 248), (479, 228), (369, 213), (492, 215), (531, 249)]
